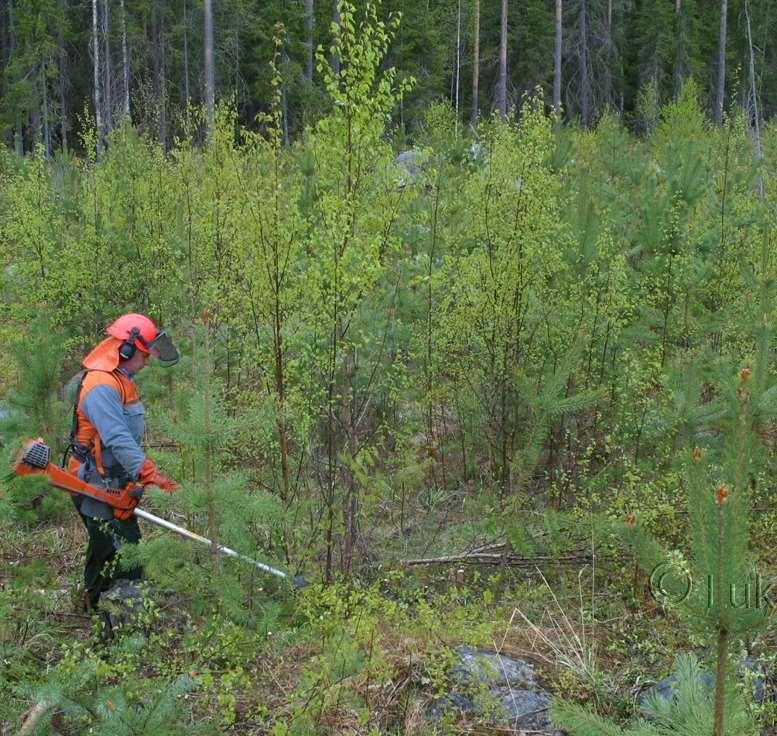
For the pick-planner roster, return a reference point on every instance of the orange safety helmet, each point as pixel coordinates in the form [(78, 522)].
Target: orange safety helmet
[(138, 332)]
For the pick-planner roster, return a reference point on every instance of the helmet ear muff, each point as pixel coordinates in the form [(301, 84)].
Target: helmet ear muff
[(128, 348)]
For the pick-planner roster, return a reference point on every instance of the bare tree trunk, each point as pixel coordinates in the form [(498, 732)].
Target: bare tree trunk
[(679, 65), (557, 58), (160, 76), (125, 57), (6, 44), (236, 66), (5, 33), (458, 65), (108, 101), (310, 20), (754, 114), (585, 80), (501, 89), (210, 74), (186, 93), (476, 65), (610, 49), (162, 79), (33, 115), (45, 113), (97, 82), (18, 137), (721, 63), (62, 82)]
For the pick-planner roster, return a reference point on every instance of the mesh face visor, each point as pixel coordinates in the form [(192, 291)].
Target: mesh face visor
[(163, 349)]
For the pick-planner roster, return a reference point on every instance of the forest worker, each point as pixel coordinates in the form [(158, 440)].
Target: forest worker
[(108, 428)]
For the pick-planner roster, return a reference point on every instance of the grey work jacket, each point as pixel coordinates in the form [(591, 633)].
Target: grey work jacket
[(120, 428)]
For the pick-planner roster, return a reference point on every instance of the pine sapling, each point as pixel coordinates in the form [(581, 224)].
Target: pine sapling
[(718, 592)]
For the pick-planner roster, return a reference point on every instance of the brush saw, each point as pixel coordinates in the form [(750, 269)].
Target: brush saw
[(35, 459)]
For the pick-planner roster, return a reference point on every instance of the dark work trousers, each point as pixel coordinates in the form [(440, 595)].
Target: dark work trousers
[(105, 538)]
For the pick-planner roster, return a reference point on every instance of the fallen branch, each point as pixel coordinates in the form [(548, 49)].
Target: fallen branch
[(36, 713), (483, 558)]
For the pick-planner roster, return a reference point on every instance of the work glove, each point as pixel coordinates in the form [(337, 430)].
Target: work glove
[(150, 475)]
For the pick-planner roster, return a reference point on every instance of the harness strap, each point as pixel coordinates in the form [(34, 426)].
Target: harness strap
[(81, 451), (72, 446)]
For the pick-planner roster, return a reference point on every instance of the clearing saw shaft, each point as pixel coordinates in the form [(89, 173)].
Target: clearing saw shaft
[(142, 514), (35, 460)]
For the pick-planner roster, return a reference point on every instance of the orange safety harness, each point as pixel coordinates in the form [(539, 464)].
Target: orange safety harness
[(84, 438)]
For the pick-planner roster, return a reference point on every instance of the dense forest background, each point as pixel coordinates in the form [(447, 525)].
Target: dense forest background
[(475, 376), (150, 59)]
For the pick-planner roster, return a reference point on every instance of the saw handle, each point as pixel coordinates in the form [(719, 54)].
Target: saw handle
[(134, 495), (34, 461)]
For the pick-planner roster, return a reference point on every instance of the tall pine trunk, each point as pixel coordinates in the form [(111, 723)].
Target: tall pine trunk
[(62, 81), (186, 91), (458, 64), (475, 64), (18, 138), (125, 59), (753, 111), (5, 32), (162, 78), (721, 63), (33, 114), (98, 102), (557, 58), (108, 98), (310, 20), (679, 66), (585, 80), (210, 73), (501, 89), (610, 49), (45, 112)]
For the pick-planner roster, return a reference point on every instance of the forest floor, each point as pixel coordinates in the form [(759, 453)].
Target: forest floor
[(347, 659)]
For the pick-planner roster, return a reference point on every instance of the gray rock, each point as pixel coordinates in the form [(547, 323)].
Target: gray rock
[(496, 688), (123, 603), (409, 162), (664, 688), (492, 669), (763, 683), (409, 165)]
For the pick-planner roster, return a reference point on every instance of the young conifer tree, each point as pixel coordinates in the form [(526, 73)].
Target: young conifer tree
[(718, 592), (34, 409), (215, 497), (77, 692)]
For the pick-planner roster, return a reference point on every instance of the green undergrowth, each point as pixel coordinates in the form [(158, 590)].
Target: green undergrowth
[(345, 658)]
